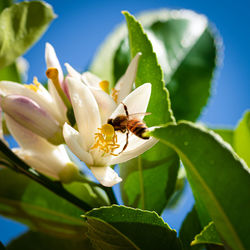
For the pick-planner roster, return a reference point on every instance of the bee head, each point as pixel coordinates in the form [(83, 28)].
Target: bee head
[(110, 121)]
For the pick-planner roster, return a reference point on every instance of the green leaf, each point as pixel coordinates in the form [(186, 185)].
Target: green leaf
[(219, 179), (242, 138), (186, 50), (39, 241), (120, 227), (22, 24), (189, 228), (149, 180), (226, 134), (28, 202), (208, 235), (10, 73), (4, 4)]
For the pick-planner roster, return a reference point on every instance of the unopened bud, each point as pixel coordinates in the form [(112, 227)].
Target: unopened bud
[(29, 114)]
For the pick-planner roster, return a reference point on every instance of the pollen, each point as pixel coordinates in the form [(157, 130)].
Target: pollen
[(35, 86), (104, 85), (106, 140), (114, 94)]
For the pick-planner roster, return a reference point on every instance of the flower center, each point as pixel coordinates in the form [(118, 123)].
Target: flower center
[(35, 86), (106, 140), (104, 85), (114, 94)]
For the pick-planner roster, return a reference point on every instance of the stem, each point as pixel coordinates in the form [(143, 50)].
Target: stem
[(53, 186), (110, 194)]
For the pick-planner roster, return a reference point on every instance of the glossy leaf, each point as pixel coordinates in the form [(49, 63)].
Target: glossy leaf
[(242, 138), (28, 202), (22, 24), (39, 241), (10, 73), (119, 227), (219, 180), (186, 50), (189, 228), (4, 4), (226, 134), (149, 180), (208, 235)]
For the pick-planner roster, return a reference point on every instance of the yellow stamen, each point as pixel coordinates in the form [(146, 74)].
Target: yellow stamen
[(106, 140), (104, 85), (35, 86), (52, 73), (114, 94)]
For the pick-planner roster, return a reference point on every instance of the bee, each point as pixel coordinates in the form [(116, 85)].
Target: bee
[(129, 123)]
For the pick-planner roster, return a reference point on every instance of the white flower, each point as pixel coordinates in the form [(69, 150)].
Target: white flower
[(46, 158), (96, 143), (107, 99), (48, 102)]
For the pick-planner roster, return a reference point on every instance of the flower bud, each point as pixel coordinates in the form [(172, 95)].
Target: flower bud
[(29, 114)]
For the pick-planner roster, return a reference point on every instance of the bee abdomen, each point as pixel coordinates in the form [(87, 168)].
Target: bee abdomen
[(138, 128)]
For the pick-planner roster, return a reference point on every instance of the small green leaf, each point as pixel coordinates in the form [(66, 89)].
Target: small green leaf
[(149, 180), (22, 24), (219, 180), (39, 241), (119, 227), (242, 138), (28, 202), (189, 228), (208, 235)]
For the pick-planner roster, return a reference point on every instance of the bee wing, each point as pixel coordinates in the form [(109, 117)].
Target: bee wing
[(138, 115)]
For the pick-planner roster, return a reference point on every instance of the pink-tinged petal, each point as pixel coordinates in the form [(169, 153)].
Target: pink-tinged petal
[(106, 176), (52, 60), (105, 103), (130, 154), (91, 80), (125, 84), (136, 102), (41, 97), (85, 109), (29, 114), (76, 144)]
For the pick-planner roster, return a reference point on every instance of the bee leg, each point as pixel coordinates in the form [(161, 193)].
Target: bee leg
[(126, 144), (125, 108)]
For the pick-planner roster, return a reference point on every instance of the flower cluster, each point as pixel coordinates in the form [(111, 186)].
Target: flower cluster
[(37, 118)]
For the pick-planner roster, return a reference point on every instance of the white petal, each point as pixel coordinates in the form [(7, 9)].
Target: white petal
[(105, 103), (59, 109), (85, 109), (76, 144), (106, 176), (127, 155), (72, 72), (91, 80), (25, 138), (52, 60), (136, 101), (29, 158), (124, 85)]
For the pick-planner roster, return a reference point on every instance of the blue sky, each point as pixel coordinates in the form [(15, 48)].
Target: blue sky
[(81, 26)]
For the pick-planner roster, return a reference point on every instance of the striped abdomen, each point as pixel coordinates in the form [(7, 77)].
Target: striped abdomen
[(138, 128)]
